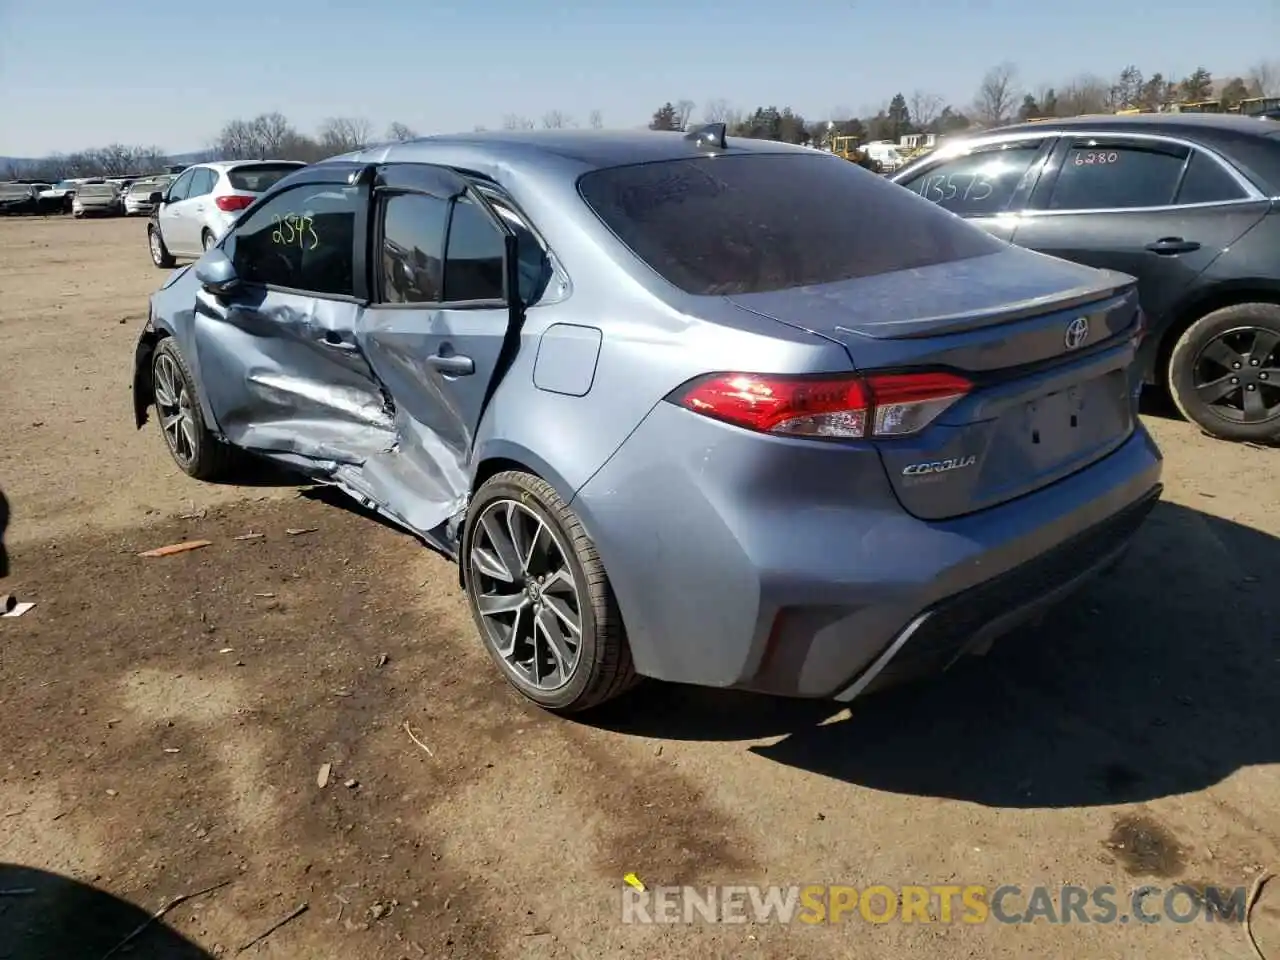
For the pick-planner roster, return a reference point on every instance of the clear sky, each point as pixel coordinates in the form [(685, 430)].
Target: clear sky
[(79, 73)]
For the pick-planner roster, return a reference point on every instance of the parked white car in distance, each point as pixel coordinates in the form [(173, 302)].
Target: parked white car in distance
[(138, 198), (202, 204), (97, 197)]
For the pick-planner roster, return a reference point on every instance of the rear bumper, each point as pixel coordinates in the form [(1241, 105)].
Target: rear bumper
[(970, 620), (789, 567)]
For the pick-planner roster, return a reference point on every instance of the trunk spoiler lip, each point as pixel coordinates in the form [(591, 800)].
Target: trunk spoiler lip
[(925, 327)]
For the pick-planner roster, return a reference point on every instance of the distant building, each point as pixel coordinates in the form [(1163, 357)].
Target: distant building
[(915, 141)]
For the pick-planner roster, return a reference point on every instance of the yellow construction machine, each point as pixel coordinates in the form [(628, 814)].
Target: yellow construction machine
[(847, 147)]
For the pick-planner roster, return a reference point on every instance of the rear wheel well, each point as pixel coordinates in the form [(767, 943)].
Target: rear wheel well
[(487, 468), (1202, 307)]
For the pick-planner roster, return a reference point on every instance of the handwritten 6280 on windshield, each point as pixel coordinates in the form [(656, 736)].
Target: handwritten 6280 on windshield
[(294, 230)]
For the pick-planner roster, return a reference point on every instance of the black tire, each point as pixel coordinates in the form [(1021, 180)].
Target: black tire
[(206, 240), (211, 458), (160, 254), (604, 667), (1237, 324)]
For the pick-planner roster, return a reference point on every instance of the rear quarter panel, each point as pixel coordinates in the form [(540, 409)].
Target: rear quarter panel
[(652, 339)]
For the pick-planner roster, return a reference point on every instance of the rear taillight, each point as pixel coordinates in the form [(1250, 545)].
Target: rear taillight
[(875, 405), (233, 203)]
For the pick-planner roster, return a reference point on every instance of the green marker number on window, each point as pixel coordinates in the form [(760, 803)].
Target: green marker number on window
[(294, 230)]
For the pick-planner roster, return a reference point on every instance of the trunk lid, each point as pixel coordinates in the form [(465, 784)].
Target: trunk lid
[(1045, 402)]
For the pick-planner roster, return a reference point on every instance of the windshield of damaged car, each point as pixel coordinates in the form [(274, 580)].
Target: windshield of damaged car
[(14, 190), (725, 225)]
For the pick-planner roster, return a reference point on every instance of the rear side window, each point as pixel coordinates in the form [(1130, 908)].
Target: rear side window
[(1096, 175), (1207, 182), (440, 251), (979, 184), (751, 224), (258, 178), (202, 183)]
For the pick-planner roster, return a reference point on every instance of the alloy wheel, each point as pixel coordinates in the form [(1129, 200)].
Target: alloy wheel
[(1237, 375), (526, 593), (153, 238), (173, 403)]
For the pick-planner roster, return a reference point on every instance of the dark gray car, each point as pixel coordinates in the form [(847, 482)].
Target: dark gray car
[(1187, 203)]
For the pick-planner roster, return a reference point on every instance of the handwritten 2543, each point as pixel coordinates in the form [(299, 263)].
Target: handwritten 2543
[(294, 230)]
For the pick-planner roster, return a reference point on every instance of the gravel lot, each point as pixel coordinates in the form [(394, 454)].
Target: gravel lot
[(164, 720)]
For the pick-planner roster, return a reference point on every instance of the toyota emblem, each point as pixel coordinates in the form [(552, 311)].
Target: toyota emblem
[(1077, 333)]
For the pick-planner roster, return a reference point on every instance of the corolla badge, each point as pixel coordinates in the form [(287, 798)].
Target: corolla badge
[(939, 466), (1077, 333)]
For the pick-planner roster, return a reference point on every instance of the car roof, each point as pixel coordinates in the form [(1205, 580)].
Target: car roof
[(1191, 124), (591, 149), (225, 165)]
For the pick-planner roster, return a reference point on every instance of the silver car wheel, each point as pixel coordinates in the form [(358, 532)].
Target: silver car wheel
[(173, 403), (526, 594), (209, 241), (153, 239)]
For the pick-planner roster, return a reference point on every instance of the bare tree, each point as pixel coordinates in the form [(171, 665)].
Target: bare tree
[(998, 95), (716, 111), (1087, 93), (513, 121), (400, 132), (684, 112), (1265, 77), (274, 133), (344, 134), (556, 120), (595, 120), (925, 107)]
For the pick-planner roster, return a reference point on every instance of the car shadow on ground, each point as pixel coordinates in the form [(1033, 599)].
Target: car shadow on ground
[(1160, 679), (46, 916)]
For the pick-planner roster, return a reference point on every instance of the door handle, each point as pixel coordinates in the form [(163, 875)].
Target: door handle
[(334, 341), (1173, 245), (453, 365)]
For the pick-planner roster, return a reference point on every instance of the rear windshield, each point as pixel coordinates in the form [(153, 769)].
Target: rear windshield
[(96, 190), (145, 186), (259, 177), (14, 190), (751, 224)]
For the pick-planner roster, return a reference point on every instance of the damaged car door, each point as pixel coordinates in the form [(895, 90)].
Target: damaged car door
[(441, 326), (276, 343)]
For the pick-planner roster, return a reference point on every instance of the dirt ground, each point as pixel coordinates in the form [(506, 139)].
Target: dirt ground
[(163, 721)]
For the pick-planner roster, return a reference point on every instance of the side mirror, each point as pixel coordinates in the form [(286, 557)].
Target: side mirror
[(217, 273), (156, 197)]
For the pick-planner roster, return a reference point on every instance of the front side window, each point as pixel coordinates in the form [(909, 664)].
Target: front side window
[(978, 184), (435, 251), (752, 223), (302, 239), (1097, 175)]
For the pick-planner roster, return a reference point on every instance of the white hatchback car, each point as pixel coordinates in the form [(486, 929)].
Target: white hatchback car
[(200, 205)]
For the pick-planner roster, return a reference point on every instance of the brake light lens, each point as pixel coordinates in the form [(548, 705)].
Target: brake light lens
[(832, 407), (233, 203)]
